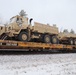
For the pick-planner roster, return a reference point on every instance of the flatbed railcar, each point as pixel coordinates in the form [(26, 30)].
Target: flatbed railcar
[(9, 45)]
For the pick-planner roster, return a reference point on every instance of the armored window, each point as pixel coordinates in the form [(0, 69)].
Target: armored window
[(12, 20)]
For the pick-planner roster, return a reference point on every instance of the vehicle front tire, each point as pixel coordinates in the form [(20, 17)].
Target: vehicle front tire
[(23, 36)]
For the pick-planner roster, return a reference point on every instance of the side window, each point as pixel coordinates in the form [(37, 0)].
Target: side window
[(19, 21), (1, 28)]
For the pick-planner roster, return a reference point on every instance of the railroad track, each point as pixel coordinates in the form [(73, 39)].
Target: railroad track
[(22, 52)]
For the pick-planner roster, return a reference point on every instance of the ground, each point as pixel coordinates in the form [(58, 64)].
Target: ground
[(38, 64)]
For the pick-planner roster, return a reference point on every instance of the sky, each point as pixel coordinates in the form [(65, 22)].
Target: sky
[(59, 12)]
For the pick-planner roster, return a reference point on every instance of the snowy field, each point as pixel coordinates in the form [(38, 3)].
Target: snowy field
[(39, 64)]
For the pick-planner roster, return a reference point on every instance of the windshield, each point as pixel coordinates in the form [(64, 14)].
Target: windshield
[(13, 20)]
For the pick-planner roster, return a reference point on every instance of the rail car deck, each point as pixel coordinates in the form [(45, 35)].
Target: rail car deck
[(15, 45)]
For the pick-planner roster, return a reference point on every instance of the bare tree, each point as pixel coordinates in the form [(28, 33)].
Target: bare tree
[(65, 30), (72, 31), (22, 13)]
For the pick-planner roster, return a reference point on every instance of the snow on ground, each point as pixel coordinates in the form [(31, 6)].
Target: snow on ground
[(39, 64)]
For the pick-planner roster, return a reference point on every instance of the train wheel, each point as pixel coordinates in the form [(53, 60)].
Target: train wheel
[(71, 42), (75, 42), (23, 36), (54, 40), (47, 38)]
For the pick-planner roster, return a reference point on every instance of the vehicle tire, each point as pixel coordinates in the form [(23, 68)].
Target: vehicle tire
[(23, 36), (54, 40), (47, 39), (75, 42), (71, 41)]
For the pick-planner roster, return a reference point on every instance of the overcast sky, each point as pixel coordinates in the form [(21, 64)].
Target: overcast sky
[(60, 12)]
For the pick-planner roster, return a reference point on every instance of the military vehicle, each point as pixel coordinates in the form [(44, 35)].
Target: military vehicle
[(67, 37), (20, 29)]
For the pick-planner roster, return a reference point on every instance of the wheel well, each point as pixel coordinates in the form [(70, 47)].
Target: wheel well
[(25, 38), (24, 30), (50, 34), (70, 38)]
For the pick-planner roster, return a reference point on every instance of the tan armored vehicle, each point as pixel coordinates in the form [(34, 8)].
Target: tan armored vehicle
[(2, 29), (19, 28), (67, 37)]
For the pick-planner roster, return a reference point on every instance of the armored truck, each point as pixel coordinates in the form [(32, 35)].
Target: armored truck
[(20, 28), (67, 37)]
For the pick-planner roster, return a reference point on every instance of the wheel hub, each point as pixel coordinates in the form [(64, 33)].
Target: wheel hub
[(24, 36), (47, 39), (54, 40), (71, 42)]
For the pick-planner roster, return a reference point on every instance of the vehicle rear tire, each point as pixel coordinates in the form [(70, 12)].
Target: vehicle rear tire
[(75, 42), (47, 39), (54, 40), (23, 36), (71, 41)]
